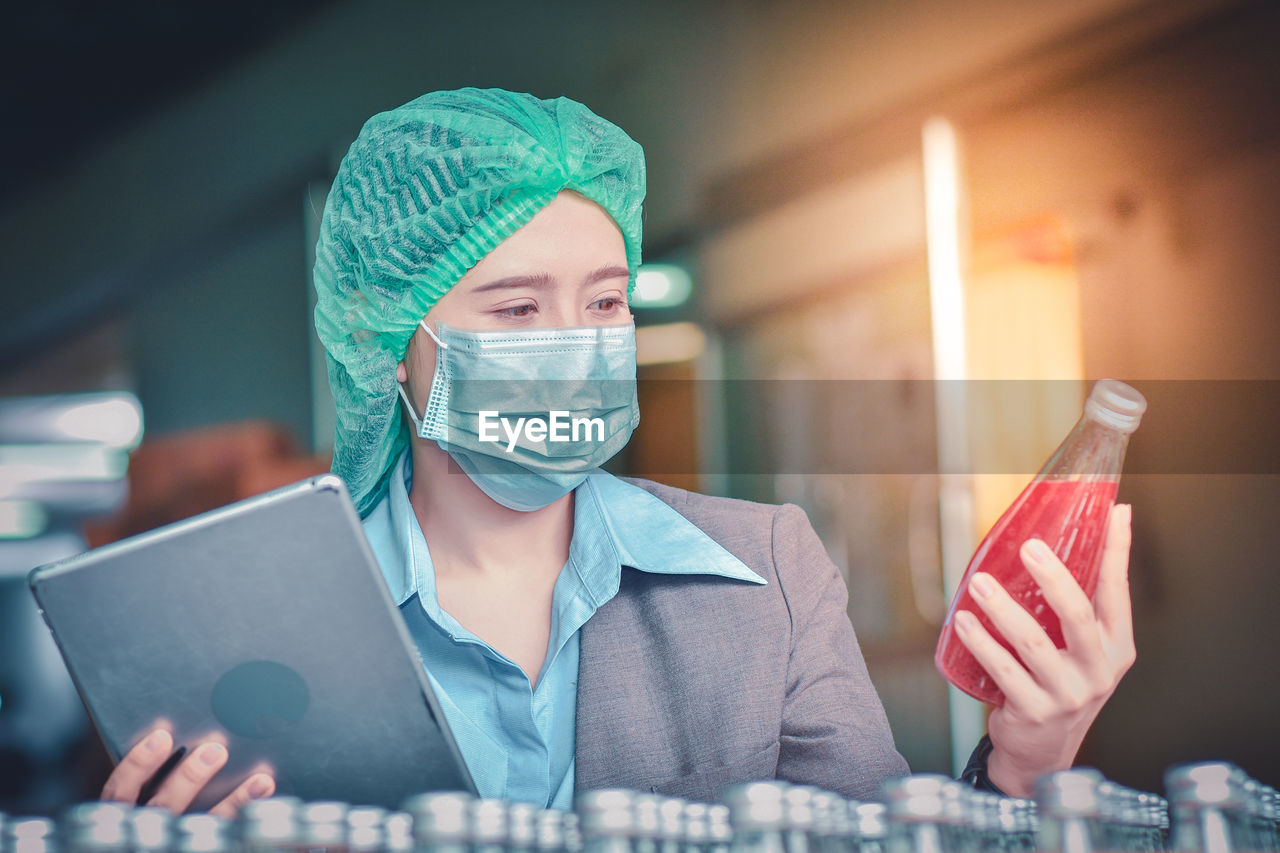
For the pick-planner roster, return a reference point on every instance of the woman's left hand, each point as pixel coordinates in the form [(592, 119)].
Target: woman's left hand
[(1054, 695)]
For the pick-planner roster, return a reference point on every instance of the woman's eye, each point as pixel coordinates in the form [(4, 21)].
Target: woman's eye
[(518, 310), (609, 303)]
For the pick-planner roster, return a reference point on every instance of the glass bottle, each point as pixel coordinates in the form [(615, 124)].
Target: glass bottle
[(151, 829), (441, 821), (202, 833), (95, 828), (916, 808), (1066, 505), (608, 819), (1070, 812), (757, 815), (366, 831), (870, 827), (270, 825), (1205, 800)]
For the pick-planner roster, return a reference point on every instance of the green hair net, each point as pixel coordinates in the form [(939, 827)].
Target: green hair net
[(425, 192)]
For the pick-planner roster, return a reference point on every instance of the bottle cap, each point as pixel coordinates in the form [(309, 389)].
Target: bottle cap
[(1069, 793), (694, 820), (522, 830), (151, 827), (550, 829), (397, 831), (870, 820), (96, 826), (1205, 784), (1115, 404), (29, 835), (756, 805), (201, 833), (488, 821), (671, 818), (364, 828), (718, 828), (324, 823), (440, 816), (915, 799), (607, 812)]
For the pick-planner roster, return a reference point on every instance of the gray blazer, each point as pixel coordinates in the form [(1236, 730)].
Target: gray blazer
[(690, 683)]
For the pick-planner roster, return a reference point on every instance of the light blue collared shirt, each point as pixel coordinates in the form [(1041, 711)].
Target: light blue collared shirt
[(517, 738)]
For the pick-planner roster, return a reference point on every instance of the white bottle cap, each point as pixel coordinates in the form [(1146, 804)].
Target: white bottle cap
[(1114, 404)]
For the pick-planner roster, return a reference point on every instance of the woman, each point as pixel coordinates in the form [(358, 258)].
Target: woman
[(584, 631)]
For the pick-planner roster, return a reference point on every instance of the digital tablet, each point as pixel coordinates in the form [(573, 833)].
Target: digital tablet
[(267, 625)]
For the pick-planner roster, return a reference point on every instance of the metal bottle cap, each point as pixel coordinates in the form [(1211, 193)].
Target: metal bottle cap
[(96, 826), (440, 816), (550, 829), (870, 820), (719, 830), (645, 818), (324, 823), (671, 818), (30, 835), (201, 833), (756, 805), (914, 799), (397, 831), (606, 812), (364, 828), (830, 817), (797, 807), (696, 823), (151, 828), (1069, 793), (272, 822), (1204, 784), (522, 826), (488, 820)]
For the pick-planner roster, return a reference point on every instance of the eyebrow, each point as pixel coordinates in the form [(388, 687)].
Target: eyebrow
[(543, 280)]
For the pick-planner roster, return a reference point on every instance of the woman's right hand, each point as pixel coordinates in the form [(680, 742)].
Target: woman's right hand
[(186, 780)]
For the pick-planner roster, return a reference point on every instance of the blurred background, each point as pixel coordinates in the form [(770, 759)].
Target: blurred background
[(873, 195)]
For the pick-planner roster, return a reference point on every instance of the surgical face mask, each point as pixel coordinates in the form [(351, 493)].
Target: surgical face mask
[(528, 414)]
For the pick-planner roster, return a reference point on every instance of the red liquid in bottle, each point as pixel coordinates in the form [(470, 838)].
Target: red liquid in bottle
[(1070, 516)]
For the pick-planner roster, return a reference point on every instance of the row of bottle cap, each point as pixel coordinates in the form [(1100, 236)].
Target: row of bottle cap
[(757, 817)]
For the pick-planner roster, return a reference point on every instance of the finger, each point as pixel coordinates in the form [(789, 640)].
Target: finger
[(1062, 592), (190, 777), (1111, 600), (1020, 629), (138, 765), (1014, 681), (255, 787)]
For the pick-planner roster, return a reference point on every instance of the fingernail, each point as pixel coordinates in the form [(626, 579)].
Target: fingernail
[(157, 741), (981, 585), (212, 753), (1037, 550), (965, 620), (259, 787)]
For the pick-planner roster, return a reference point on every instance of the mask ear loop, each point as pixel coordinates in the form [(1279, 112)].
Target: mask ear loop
[(427, 329), (408, 407), (413, 414)]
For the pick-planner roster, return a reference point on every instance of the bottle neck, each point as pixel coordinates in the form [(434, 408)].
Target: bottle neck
[(1092, 451)]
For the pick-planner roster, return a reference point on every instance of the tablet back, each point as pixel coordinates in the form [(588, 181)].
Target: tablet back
[(265, 624)]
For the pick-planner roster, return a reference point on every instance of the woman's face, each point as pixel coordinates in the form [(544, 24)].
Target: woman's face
[(566, 267)]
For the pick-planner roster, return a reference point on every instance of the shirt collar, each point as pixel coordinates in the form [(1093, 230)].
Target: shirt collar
[(647, 534), (615, 524)]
